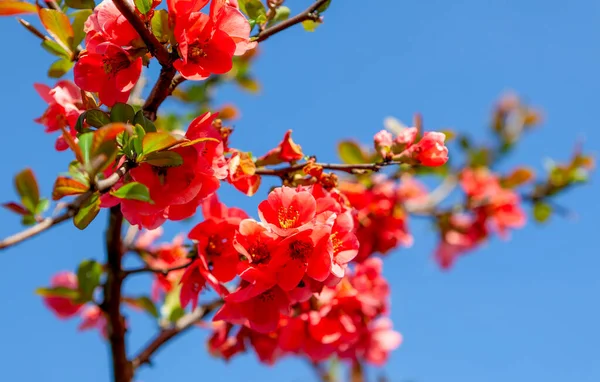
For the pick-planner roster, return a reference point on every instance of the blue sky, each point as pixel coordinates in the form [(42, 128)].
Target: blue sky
[(524, 310)]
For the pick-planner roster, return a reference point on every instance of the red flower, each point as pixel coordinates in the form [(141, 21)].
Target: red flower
[(108, 70), (215, 237), (64, 107), (177, 191), (463, 234), (63, 307), (207, 43), (221, 344), (383, 141), (93, 318), (193, 281), (242, 173), (376, 342), (110, 65), (406, 138), (287, 209), (257, 306), (429, 151), (286, 151), (256, 244)]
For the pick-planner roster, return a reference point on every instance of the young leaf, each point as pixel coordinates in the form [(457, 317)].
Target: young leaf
[(87, 212), (11, 8), (60, 67), (144, 122), (96, 118), (143, 6), (157, 141), (79, 19), (88, 278), (133, 191), (161, 27), (72, 144), (104, 140), (121, 112), (324, 7), (27, 188), (85, 144), (351, 153), (58, 292), (58, 25), (542, 212), (310, 25), (281, 14), (164, 159), (144, 303), (16, 208), (42, 206), (80, 4), (56, 49), (65, 186)]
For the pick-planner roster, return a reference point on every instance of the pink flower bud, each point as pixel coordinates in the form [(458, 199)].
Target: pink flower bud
[(430, 151), (383, 142)]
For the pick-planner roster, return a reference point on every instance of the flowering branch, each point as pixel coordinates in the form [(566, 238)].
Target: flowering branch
[(311, 13), (154, 46), (122, 370), (71, 209), (348, 168), (163, 271), (167, 334)]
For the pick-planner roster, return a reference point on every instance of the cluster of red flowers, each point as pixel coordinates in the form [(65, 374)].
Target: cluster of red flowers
[(428, 151), (490, 206), (111, 63), (65, 307), (381, 217), (176, 192), (347, 320)]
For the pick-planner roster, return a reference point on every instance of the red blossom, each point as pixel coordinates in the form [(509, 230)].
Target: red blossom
[(429, 151), (63, 307), (64, 107), (286, 151), (286, 210), (93, 318), (207, 43)]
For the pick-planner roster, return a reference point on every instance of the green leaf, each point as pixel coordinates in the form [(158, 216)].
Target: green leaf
[(310, 25), (42, 206), (281, 14), (161, 27), (144, 303), (144, 122), (164, 159), (133, 191), (255, 10), (157, 141), (171, 309), (66, 187), (121, 112), (54, 48), (324, 7), (80, 4), (58, 292), (351, 153), (85, 143), (79, 19), (143, 6), (58, 25), (27, 188), (97, 118), (88, 278), (542, 212), (60, 67), (87, 212)]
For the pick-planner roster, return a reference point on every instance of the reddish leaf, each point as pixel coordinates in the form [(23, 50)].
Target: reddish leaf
[(66, 186), (10, 8), (16, 208), (106, 134), (73, 145), (518, 177)]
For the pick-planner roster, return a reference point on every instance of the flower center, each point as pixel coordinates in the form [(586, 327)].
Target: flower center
[(196, 51), (259, 253), (115, 63), (299, 250), (287, 217)]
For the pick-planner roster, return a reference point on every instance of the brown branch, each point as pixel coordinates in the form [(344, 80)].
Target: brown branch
[(71, 210), (348, 168), (163, 87), (154, 46), (165, 335), (33, 29), (311, 13), (163, 271), (122, 370)]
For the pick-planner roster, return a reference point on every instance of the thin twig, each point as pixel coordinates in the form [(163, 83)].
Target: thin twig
[(167, 334), (71, 210), (163, 271), (33, 29), (310, 13), (122, 370), (154, 46), (348, 168)]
